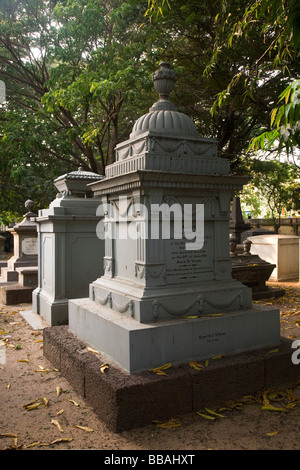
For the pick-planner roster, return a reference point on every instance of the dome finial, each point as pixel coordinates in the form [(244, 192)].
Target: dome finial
[(164, 80)]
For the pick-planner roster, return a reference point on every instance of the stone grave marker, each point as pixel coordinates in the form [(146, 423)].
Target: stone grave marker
[(167, 292)]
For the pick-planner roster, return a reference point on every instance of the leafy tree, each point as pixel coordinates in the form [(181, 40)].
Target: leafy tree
[(223, 69), (281, 19), (72, 70), (276, 183)]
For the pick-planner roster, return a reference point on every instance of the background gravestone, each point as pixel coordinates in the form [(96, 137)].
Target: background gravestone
[(19, 278), (70, 253)]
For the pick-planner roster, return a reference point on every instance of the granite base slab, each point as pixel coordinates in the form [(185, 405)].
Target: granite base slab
[(125, 401), (138, 346), (54, 311), (12, 293)]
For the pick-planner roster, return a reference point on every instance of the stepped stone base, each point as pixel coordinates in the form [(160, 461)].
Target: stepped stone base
[(125, 401), (138, 346)]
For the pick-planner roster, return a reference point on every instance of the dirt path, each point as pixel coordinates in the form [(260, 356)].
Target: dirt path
[(60, 419)]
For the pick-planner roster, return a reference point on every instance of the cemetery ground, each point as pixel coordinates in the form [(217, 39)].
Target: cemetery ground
[(41, 411)]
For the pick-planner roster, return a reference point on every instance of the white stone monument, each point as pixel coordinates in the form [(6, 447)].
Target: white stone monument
[(282, 250), (168, 297), (25, 258), (70, 253)]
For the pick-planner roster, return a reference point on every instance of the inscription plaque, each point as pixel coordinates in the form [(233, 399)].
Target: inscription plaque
[(30, 246), (186, 265)]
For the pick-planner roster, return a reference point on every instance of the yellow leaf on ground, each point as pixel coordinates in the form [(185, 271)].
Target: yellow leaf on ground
[(273, 433), (56, 423), (218, 357), (45, 401), (104, 368), (273, 351), (84, 428), (63, 439), (203, 415), (73, 402), (32, 445), (214, 413), (93, 350), (58, 391), (23, 360), (172, 423), (33, 407), (60, 412), (158, 370), (272, 408), (196, 365)]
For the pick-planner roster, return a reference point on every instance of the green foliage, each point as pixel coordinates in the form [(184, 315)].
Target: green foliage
[(276, 183), (225, 58), (72, 69), (78, 74), (285, 121)]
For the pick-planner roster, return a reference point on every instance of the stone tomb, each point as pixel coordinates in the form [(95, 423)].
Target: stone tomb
[(282, 250), (70, 253), (161, 300), (19, 277)]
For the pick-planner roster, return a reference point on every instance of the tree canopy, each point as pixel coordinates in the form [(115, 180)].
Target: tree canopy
[(78, 74)]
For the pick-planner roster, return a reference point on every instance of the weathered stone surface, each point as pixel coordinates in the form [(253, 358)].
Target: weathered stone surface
[(70, 253)]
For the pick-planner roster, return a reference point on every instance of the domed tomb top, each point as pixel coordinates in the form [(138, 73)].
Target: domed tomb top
[(76, 181), (163, 116)]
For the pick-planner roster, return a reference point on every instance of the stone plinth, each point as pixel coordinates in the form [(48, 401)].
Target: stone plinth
[(281, 250), (167, 292), (70, 253), (25, 244), (124, 401), (19, 277)]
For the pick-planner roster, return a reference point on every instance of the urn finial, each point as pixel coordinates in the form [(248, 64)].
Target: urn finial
[(164, 80)]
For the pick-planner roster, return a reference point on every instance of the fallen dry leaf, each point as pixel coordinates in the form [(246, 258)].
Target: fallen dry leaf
[(213, 412), (273, 351), (93, 350), (168, 424), (63, 439), (34, 444), (56, 423), (45, 401), (272, 408), (273, 433), (34, 404), (104, 368), (196, 365), (9, 434), (160, 370), (73, 402), (83, 428)]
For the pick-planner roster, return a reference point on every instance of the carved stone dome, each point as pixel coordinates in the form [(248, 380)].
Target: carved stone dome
[(163, 117)]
